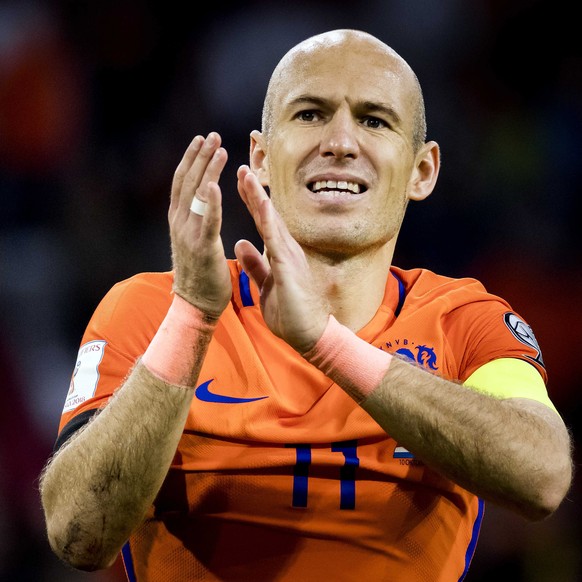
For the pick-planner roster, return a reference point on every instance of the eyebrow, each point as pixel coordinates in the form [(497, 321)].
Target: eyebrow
[(387, 110), (367, 106)]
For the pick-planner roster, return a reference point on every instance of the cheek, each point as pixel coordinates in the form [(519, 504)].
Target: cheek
[(279, 170), (389, 212)]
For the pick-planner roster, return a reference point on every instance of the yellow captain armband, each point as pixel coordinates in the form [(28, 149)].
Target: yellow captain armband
[(509, 378)]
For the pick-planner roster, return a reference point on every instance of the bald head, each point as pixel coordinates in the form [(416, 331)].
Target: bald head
[(324, 50)]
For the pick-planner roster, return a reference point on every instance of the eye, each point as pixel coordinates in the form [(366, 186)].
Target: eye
[(307, 115), (374, 122)]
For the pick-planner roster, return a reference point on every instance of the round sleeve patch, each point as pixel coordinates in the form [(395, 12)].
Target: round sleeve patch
[(85, 375), (524, 334)]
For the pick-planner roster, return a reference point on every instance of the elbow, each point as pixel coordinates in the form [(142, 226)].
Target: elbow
[(78, 548), (545, 498), (537, 510)]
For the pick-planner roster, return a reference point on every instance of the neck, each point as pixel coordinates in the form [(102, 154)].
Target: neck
[(354, 286)]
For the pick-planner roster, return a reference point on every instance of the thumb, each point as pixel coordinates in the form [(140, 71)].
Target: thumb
[(252, 261)]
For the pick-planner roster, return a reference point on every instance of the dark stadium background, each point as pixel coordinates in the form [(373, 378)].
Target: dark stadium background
[(98, 101)]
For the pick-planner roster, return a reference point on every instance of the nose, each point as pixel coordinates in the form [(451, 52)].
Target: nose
[(339, 137)]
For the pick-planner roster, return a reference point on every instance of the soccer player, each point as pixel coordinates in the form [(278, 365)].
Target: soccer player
[(307, 411)]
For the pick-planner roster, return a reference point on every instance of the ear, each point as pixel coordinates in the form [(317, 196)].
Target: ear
[(258, 157), (426, 171)]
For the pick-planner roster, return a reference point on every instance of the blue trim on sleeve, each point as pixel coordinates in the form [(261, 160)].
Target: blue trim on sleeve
[(128, 563), (474, 537), (245, 290)]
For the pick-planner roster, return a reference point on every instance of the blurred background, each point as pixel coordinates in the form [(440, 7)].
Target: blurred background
[(99, 99)]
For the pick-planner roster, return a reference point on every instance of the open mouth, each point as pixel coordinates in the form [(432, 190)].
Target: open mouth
[(337, 187)]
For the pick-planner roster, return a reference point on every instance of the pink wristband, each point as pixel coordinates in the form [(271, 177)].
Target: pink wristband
[(176, 348), (348, 360)]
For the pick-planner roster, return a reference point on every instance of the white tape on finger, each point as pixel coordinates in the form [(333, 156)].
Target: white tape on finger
[(198, 206)]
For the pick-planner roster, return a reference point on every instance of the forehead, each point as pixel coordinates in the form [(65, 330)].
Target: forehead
[(359, 70)]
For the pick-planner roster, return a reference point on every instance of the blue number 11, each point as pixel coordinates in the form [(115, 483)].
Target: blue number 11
[(347, 473)]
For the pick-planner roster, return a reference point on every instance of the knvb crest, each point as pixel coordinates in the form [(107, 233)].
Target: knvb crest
[(418, 354)]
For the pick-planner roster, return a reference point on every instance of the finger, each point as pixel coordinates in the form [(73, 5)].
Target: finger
[(182, 169), (281, 247), (257, 193), (272, 230), (252, 261), (211, 174), (202, 193), (213, 170), (212, 219), (240, 174), (252, 194), (245, 186), (207, 164)]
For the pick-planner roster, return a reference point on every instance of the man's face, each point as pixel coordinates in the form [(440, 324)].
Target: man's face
[(339, 158)]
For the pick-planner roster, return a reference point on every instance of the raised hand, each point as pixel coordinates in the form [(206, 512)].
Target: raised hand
[(201, 274), (291, 304)]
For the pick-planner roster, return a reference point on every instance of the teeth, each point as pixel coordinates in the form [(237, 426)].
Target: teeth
[(335, 185)]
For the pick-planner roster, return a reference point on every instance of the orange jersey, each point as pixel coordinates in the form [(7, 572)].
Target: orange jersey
[(279, 475)]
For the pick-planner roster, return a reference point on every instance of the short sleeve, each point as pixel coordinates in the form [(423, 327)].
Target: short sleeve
[(118, 333), (488, 329)]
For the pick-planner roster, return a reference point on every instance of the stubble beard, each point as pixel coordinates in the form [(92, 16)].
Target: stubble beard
[(342, 241)]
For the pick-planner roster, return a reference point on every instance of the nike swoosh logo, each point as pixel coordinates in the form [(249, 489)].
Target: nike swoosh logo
[(204, 394)]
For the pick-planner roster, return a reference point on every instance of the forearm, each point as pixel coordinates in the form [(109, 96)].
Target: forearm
[(99, 487), (514, 452), (496, 449)]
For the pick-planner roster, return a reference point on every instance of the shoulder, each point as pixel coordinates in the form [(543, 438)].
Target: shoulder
[(147, 283), (482, 324), (147, 295), (423, 286)]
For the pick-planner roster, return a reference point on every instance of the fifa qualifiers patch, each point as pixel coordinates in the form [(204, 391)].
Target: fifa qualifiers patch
[(85, 375), (524, 334)]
